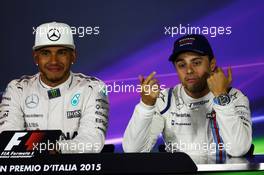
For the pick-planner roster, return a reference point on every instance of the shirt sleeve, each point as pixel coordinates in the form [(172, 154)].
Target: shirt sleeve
[(143, 129), (93, 123), (235, 123), (11, 114)]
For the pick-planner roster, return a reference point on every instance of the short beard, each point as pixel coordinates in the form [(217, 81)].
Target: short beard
[(55, 80), (200, 86)]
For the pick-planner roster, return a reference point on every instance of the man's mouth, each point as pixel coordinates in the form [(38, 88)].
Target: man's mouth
[(191, 80), (54, 68)]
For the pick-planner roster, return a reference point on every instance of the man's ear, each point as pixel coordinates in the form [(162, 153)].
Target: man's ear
[(35, 57), (213, 64)]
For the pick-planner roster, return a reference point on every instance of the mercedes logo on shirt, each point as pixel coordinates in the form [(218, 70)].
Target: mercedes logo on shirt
[(32, 101), (53, 35)]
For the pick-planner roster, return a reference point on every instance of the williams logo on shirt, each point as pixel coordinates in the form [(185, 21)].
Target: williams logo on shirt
[(74, 114)]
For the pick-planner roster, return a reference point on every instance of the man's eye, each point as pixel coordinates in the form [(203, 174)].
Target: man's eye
[(197, 63), (44, 52), (181, 65), (62, 52)]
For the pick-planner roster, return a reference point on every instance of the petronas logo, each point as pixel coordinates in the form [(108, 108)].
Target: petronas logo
[(75, 99)]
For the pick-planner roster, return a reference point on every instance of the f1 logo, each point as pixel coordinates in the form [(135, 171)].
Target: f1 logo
[(14, 141)]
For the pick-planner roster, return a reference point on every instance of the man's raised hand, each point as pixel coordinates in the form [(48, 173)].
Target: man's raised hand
[(149, 89)]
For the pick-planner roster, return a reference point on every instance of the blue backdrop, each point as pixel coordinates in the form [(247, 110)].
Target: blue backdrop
[(132, 40)]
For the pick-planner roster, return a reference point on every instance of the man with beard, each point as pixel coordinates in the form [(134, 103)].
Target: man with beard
[(56, 98), (203, 115)]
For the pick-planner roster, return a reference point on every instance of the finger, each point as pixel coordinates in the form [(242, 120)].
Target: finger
[(215, 71), (209, 83), (229, 78), (208, 80), (219, 69), (211, 73), (215, 68), (149, 77), (152, 82), (141, 79), (219, 72)]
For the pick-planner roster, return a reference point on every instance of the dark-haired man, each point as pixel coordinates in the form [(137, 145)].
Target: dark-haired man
[(201, 115), (56, 98)]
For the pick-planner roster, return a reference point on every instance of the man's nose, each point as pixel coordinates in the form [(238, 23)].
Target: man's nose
[(189, 69), (53, 58)]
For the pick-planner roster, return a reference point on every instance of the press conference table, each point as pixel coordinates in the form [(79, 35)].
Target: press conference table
[(243, 165), (132, 163)]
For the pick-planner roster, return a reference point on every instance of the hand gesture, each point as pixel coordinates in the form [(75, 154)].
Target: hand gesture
[(218, 83), (149, 89)]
